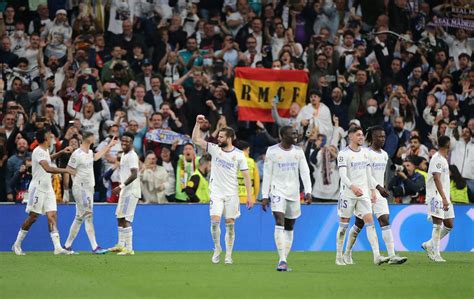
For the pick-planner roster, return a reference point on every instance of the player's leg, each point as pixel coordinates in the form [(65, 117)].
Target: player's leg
[(289, 229), (387, 236), (88, 215), (216, 207), (231, 212), (279, 234), (16, 248), (353, 233), (120, 246), (345, 209), (229, 239), (436, 214), (54, 233), (128, 212), (364, 209), (436, 238), (73, 231)]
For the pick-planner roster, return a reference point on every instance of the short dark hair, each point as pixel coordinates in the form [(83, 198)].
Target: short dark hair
[(205, 159), (41, 135), (354, 129), (371, 131), (284, 129), (415, 138), (443, 141), (229, 132), (157, 113), (242, 145), (129, 135), (50, 106), (87, 134)]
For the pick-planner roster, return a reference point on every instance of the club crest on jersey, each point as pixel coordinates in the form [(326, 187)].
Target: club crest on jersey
[(438, 165)]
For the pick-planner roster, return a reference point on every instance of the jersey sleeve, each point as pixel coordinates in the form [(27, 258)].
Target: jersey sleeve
[(243, 163), (341, 159), (436, 166), (212, 148), (133, 162), (73, 161)]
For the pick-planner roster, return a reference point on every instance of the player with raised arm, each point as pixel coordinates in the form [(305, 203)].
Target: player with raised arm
[(355, 193), (284, 164), (41, 196), (82, 161), (129, 192), (438, 199), (378, 159), (227, 160)]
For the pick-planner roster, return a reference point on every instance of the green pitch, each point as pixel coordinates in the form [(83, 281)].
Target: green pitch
[(253, 275)]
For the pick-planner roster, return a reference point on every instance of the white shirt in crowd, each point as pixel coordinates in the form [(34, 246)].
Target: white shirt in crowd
[(139, 112), (281, 173), (224, 170), (320, 117), (91, 124)]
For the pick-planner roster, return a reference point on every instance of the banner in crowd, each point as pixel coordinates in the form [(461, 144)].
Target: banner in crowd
[(256, 88), (167, 137), (458, 17)]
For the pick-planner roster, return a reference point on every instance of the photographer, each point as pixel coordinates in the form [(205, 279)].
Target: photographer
[(407, 186), (20, 182)]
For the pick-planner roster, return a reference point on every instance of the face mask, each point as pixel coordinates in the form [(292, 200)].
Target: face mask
[(20, 33), (371, 109)]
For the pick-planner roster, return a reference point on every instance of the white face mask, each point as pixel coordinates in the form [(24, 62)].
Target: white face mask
[(371, 109), (19, 33)]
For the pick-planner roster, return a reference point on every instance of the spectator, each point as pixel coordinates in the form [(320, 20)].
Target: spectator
[(253, 173), (407, 186), (188, 162), (7, 57), (458, 190), (57, 33), (20, 182), (462, 156), (154, 180), (167, 161), (197, 188), (137, 108), (316, 114), (13, 166)]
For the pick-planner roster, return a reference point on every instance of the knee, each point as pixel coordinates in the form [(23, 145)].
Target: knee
[(289, 224), (229, 221), (344, 220), (368, 218), (449, 223), (383, 220), (33, 217), (359, 222), (215, 219)]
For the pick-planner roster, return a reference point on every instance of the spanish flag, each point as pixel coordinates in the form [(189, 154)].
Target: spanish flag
[(256, 88)]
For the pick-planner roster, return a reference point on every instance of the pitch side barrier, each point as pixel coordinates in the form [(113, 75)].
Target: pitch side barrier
[(185, 227)]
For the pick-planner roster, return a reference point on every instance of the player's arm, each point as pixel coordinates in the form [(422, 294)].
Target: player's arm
[(371, 182), (256, 179), (51, 169), (66, 180), (267, 176), (342, 163), (248, 187), (66, 150), (305, 178), (197, 136), (133, 176), (106, 149), (439, 187)]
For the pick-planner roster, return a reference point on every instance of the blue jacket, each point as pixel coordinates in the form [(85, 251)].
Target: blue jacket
[(393, 141)]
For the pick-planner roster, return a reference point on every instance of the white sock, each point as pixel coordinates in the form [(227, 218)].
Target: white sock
[(229, 238), (20, 237), (128, 237), (340, 237), (372, 236), (353, 233), (444, 232), (73, 231), (388, 239), (216, 235), (55, 239), (288, 242), (280, 242), (89, 224), (435, 238), (121, 237)]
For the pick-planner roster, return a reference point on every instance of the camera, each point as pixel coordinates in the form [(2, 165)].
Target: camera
[(397, 168)]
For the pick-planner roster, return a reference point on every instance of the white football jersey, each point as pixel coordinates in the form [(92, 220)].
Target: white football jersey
[(83, 163), (40, 178), (129, 161), (378, 163), (224, 169), (281, 173), (438, 164), (356, 164)]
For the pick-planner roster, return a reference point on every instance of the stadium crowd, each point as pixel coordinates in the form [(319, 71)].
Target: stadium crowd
[(150, 67)]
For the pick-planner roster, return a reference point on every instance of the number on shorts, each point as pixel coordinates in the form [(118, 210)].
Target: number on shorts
[(342, 203), (36, 200), (434, 205)]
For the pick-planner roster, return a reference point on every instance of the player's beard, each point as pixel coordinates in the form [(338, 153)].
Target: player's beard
[(222, 144)]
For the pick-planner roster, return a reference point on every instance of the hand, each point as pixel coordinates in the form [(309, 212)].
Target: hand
[(22, 169), (260, 125), (305, 122), (71, 171), (116, 190), (10, 197), (210, 104), (66, 196), (265, 204), (308, 199), (382, 191), (113, 142), (402, 175), (68, 150), (373, 196), (132, 84), (200, 119), (445, 204), (356, 190), (249, 202)]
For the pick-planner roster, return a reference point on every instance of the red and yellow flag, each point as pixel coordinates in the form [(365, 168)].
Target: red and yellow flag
[(255, 89)]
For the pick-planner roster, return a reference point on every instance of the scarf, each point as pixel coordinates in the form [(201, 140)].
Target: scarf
[(326, 166)]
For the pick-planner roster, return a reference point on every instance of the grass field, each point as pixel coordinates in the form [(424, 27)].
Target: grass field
[(253, 275)]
